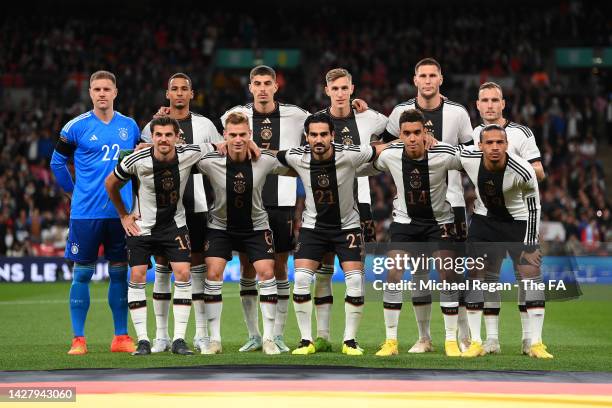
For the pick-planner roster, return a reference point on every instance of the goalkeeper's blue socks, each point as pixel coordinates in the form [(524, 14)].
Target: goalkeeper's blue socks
[(117, 297), (79, 296)]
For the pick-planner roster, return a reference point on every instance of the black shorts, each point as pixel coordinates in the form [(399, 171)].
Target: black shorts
[(347, 244), (281, 224), (196, 222), (367, 223), (443, 235), (171, 243), (461, 228), (257, 245), (507, 236)]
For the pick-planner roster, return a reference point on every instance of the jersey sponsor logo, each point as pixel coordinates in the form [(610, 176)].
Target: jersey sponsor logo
[(415, 179), (123, 134), (323, 180), (93, 138)]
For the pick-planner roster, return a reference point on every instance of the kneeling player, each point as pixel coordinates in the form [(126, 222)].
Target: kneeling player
[(238, 221), (162, 171)]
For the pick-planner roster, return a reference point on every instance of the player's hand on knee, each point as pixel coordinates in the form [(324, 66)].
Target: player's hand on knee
[(162, 112), (129, 225)]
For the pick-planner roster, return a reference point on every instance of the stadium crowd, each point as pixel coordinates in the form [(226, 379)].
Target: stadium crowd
[(44, 72)]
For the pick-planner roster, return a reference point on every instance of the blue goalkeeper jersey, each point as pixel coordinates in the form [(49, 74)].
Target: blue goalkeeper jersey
[(97, 150)]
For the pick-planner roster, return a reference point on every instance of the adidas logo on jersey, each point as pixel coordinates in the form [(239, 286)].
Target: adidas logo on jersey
[(93, 138), (346, 130), (270, 251), (266, 121), (429, 123), (240, 175)]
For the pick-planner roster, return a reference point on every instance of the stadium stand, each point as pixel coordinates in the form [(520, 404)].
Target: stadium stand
[(45, 63)]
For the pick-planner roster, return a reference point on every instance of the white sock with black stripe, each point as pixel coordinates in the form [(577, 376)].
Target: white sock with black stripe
[(214, 306), (353, 303), (302, 301), (268, 298), (181, 308), (137, 303)]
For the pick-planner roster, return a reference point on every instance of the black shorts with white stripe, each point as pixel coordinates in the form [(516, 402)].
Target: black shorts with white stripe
[(281, 224), (509, 236), (172, 243), (257, 245), (313, 244)]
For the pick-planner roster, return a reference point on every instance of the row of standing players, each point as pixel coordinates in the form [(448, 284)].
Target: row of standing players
[(278, 126)]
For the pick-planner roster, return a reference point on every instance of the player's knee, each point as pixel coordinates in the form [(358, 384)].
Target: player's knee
[(354, 283), (303, 279), (82, 273)]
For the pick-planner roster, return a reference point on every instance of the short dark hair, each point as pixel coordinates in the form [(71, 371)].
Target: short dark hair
[(103, 75), (181, 75), (493, 126), (320, 117), (411, 115), (262, 70), (165, 121), (427, 61)]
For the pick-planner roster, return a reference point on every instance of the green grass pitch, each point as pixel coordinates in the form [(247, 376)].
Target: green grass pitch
[(36, 335)]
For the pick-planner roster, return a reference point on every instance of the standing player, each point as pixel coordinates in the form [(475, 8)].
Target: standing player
[(330, 223), (421, 213), (195, 129), (239, 221), (94, 139), (160, 227), (507, 210), (448, 122), (352, 129), (521, 142), (275, 126)]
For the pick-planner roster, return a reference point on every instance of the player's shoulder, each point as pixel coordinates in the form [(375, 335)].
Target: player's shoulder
[(470, 153), (187, 148), (520, 166), (199, 118), (77, 121), (212, 156), (394, 149), (267, 154), (247, 109), (443, 148), (368, 113), (292, 109), (137, 156), (402, 106), (519, 129), (125, 119), (455, 107)]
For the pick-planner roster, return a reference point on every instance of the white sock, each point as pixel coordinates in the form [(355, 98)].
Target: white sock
[(536, 321), (161, 300), (302, 301), (268, 299), (526, 328), (422, 313), (463, 327), (137, 303), (492, 321), (392, 307), (181, 308), (450, 313), (283, 288), (248, 298), (474, 318), (214, 306), (199, 307), (353, 303), (323, 299)]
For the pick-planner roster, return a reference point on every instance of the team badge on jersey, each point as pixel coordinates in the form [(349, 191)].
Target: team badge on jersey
[(415, 179), (123, 134), (167, 181), (323, 180), (489, 188), (239, 183), (74, 248), (347, 140), (266, 134)]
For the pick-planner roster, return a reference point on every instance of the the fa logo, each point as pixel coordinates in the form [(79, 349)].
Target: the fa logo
[(74, 248), (123, 134)]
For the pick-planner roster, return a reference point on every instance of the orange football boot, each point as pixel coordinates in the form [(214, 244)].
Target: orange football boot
[(122, 344)]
